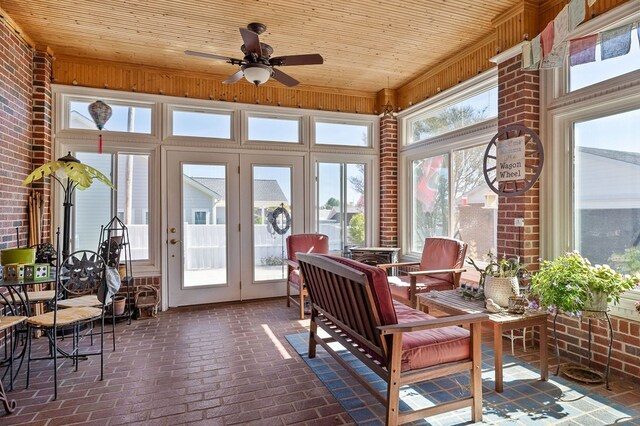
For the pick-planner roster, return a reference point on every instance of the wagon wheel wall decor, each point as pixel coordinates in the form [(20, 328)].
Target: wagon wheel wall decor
[(513, 160)]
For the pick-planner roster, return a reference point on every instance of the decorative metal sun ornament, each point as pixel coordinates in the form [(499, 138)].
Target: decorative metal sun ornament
[(101, 113)]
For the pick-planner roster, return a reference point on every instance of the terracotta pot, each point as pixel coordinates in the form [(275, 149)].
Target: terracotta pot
[(499, 289), (119, 304)]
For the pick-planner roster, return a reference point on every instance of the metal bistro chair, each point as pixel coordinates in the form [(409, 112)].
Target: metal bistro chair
[(82, 274)]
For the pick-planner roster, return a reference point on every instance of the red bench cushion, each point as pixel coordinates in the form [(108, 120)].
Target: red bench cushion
[(401, 287), (426, 348), (379, 287)]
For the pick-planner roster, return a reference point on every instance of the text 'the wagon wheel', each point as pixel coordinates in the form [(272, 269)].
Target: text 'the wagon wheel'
[(513, 160)]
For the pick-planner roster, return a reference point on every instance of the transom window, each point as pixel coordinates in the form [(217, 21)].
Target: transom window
[(436, 121), (273, 129), (201, 124), (345, 134), (125, 117), (584, 75)]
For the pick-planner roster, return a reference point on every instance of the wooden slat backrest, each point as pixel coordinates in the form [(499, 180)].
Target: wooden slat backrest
[(343, 296)]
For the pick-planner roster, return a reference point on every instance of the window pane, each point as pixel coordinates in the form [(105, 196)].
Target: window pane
[(430, 216), (271, 190), (342, 134), (201, 124), (274, 129), (329, 203), (204, 245), (132, 119), (594, 72), (475, 206), (480, 107), (133, 201), (355, 205), (607, 194), (92, 207)]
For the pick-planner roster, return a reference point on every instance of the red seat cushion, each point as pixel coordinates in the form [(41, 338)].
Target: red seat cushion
[(426, 348), (294, 278), (304, 243), (379, 287), (401, 286)]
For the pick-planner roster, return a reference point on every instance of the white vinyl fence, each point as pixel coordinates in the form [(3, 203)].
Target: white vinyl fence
[(206, 244)]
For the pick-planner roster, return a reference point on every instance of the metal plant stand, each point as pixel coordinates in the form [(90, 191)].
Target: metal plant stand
[(115, 247), (589, 315)]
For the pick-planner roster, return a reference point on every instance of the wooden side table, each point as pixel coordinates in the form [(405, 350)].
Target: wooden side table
[(453, 303)]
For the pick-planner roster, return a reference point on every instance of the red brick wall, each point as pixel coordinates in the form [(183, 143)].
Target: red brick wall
[(16, 71), (42, 144), (388, 181), (519, 103)]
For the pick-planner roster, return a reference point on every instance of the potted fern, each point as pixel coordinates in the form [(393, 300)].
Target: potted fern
[(572, 285)]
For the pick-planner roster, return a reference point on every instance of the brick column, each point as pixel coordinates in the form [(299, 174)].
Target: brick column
[(519, 103), (42, 143), (388, 181)]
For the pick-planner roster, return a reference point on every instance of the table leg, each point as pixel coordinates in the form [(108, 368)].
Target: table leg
[(544, 362), (497, 354)]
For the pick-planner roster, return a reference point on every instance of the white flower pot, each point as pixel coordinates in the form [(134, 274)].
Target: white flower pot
[(499, 289)]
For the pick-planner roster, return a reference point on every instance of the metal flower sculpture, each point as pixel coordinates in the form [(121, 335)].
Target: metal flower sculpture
[(78, 175), (101, 113)]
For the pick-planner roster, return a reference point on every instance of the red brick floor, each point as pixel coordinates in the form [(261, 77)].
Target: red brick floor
[(209, 365)]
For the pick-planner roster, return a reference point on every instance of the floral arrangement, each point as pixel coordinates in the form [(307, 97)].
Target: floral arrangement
[(568, 282)]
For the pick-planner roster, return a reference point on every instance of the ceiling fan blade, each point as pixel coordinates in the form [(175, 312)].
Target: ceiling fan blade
[(234, 78), (209, 55), (311, 59), (251, 41), (285, 79)]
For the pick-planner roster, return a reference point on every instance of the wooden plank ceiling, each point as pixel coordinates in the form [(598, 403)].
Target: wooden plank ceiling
[(368, 45)]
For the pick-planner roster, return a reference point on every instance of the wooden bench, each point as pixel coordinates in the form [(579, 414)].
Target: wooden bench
[(352, 303)]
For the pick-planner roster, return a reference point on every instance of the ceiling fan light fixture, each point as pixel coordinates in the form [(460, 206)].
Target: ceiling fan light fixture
[(257, 73)]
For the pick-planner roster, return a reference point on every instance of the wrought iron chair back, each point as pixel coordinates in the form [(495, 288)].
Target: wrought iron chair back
[(82, 273)]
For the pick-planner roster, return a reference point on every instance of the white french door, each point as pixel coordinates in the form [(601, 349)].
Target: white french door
[(272, 206), (228, 218), (203, 241)]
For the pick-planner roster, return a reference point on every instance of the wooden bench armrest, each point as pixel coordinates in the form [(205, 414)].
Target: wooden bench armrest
[(386, 266), (437, 271), (434, 323), (292, 263)]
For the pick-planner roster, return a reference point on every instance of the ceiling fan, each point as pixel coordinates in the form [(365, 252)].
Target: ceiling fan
[(257, 66)]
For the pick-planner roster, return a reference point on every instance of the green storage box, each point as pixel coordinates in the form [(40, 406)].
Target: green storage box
[(16, 255)]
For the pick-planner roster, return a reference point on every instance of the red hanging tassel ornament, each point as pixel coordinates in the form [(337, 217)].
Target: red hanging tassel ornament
[(100, 144)]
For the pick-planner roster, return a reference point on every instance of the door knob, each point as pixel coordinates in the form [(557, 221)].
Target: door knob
[(174, 241)]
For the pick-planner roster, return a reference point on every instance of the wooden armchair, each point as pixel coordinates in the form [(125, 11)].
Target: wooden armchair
[(301, 243), (352, 303), (440, 268)]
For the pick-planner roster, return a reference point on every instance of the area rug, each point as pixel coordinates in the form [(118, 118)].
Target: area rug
[(526, 399)]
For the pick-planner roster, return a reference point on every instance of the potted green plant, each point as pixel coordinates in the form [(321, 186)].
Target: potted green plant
[(571, 284), (499, 280)]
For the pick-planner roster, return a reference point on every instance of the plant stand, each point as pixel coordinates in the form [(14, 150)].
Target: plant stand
[(116, 249), (587, 374)]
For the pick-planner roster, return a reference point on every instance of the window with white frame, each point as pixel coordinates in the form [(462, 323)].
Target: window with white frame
[(130, 201), (591, 201), (442, 177), (353, 134), (457, 114), (125, 117), (341, 203), (200, 123), (273, 129)]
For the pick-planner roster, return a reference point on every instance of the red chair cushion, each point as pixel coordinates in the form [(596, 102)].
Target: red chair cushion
[(442, 253), (401, 286), (294, 278), (379, 288), (426, 348), (306, 243)]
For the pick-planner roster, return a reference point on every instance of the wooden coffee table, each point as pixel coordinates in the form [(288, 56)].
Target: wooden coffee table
[(453, 303)]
